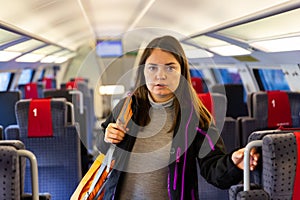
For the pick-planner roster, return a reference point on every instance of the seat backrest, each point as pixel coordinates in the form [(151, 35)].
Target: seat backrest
[(13, 181), (85, 115), (7, 106), (88, 104), (31, 90), (49, 83), (58, 154), (272, 109), (269, 110), (10, 187), (216, 103), (17, 144), (197, 84), (280, 175), (55, 93), (80, 117), (236, 105), (27, 110)]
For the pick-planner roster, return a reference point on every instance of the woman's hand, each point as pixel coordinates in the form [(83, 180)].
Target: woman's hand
[(115, 132), (238, 158)]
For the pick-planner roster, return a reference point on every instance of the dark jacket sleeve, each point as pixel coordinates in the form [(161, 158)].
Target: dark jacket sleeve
[(216, 166)]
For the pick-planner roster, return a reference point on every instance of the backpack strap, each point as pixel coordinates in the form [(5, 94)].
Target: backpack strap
[(124, 116)]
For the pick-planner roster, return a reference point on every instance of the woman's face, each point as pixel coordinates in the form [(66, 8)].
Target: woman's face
[(162, 73)]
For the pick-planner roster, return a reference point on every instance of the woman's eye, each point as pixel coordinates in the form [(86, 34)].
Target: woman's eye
[(151, 67), (170, 68)]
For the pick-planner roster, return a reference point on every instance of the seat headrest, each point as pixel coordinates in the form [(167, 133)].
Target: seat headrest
[(279, 111), (41, 117), (207, 101), (197, 84), (49, 83), (31, 91), (71, 85)]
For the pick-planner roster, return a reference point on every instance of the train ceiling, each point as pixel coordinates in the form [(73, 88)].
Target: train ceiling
[(68, 24)]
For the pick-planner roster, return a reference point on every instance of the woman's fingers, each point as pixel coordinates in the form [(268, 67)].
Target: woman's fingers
[(115, 132), (254, 156), (238, 158)]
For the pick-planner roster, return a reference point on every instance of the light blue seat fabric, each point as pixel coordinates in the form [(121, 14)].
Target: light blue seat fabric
[(59, 160), (81, 118)]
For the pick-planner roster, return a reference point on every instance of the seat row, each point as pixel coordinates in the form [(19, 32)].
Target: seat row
[(42, 126), (258, 111), (75, 91)]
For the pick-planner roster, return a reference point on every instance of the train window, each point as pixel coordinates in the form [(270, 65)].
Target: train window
[(272, 79), (228, 75), (26, 76), (41, 74), (196, 73), (4, 80)]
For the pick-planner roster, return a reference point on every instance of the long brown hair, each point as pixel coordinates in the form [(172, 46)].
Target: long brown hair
[(182, 98)]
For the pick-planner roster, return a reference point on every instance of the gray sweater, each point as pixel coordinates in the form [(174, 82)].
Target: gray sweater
[(149, 159)]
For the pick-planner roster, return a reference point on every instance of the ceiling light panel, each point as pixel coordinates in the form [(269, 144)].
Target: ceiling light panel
[(25, 46), (207, 42), (195, 52), (277, 26), (8, 55), (30, 57), (278, 45), (47, 50), (6, 36), (229, 50)]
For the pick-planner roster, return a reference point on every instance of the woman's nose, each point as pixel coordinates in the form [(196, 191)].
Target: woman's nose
[(161, 75)]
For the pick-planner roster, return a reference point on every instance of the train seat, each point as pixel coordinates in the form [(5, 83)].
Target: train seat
[(236, 105), (280, 173), (31, 90), (49, 83), (80, 115), (79, 94), (269, 110), (7, 106), (12, 171), (82, 85), (216, 104), (56, 146)]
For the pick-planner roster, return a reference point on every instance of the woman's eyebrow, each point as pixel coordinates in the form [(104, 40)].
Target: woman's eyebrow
[(170, 63)]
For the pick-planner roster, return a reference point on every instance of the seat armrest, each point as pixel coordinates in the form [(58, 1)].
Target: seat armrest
[(42, 196), (253, 195), (236, 191)]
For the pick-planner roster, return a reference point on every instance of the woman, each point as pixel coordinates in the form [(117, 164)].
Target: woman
[(170, 131)]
